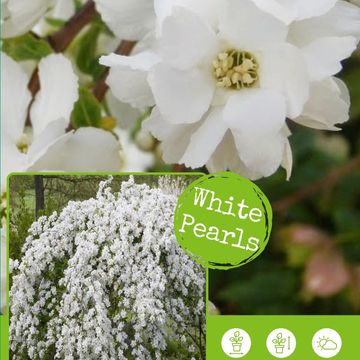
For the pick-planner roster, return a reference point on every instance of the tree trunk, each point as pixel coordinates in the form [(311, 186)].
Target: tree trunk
[(39, 195)]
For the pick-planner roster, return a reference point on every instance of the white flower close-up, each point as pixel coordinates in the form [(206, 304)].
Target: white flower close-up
[(222, 96)]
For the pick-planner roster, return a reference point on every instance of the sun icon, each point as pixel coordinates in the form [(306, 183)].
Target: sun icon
[(325, 343)]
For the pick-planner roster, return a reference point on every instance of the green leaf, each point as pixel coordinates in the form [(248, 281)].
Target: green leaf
[(87, 59), (26, 47), (87, 110), (78, 5), (56, 23)]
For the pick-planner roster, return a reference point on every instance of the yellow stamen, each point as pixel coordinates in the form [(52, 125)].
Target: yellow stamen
[(236, 69)]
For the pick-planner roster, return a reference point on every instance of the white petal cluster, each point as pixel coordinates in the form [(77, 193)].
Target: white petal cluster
[(39, 147), (106, 279), (224, 76), (19, 16)]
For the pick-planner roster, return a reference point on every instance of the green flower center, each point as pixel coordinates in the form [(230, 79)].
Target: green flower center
[(236, 69)]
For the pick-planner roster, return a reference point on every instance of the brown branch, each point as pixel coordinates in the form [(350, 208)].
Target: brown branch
[(328, 181), (101, 86), (61, 39)]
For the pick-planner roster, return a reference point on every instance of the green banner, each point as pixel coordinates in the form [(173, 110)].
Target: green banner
[(293, 337)]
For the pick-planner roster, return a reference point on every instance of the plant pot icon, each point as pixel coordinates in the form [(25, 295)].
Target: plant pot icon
[(279, 343), (237, 348), (236, 342)]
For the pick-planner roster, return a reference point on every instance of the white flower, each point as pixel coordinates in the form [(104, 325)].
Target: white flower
[(224, 77), (326, 40), (128, 19), (46, 145), (195, 112), (20, 16)]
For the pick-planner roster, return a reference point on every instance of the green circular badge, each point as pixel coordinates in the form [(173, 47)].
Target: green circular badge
[(223, 221)]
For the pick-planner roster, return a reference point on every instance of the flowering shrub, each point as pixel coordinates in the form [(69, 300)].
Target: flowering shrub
[(106, 279)]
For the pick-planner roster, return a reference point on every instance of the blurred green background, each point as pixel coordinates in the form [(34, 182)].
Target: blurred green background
[(312, 263)]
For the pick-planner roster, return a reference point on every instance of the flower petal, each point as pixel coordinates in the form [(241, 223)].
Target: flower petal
[(323, 56), (186, 40), (256, 111), (175, 146), (143, 61), (12, 160), (226, 158), (208, 10), (247, 27), (128, 19), (128, 77), (15, 95), (342, 20), (58, 92), (263, 154), (205, 140), (287, 161), (22, 16), (158, 127), (288, 11), (125, 114), (283, 69), (182, 96), (319, 112), (87, 149), (256, 119), (175, 138), (310, 8), (63, 9), (49, 135)]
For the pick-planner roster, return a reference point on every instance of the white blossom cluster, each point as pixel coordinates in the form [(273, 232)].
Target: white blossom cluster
[(223, 77), (106, 279)]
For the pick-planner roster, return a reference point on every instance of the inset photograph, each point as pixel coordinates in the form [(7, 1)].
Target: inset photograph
[(96, 271)]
